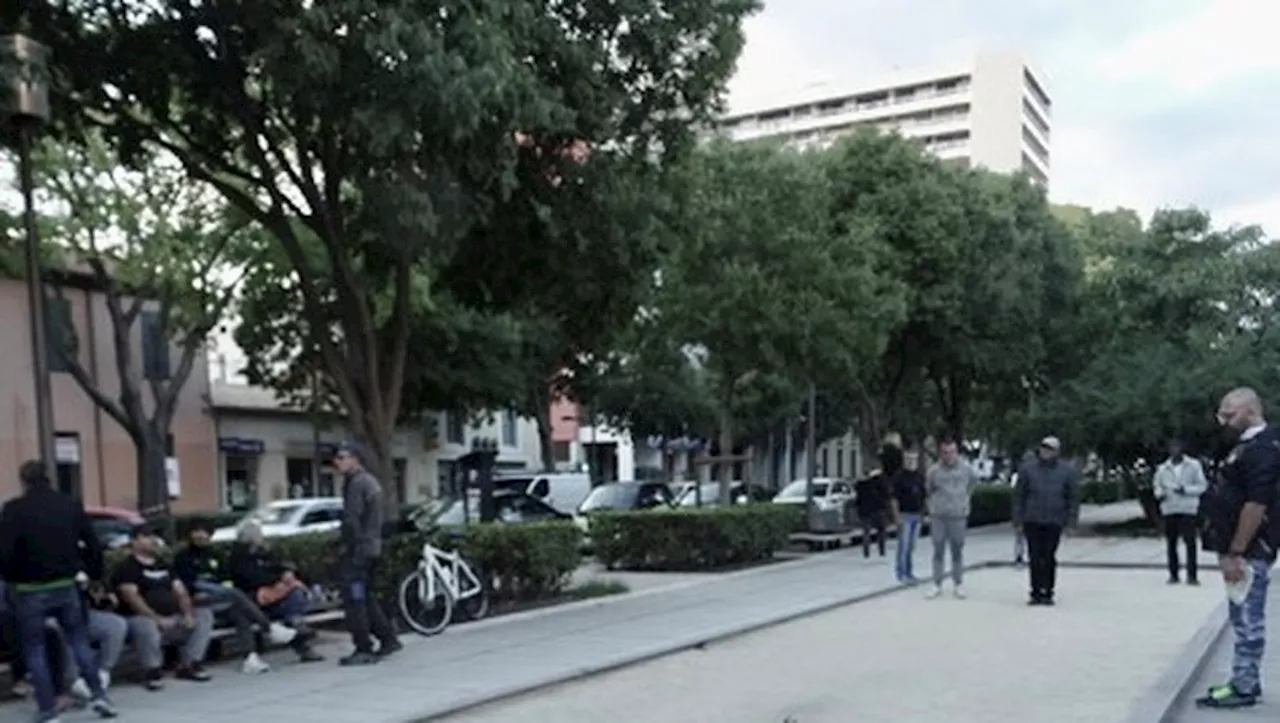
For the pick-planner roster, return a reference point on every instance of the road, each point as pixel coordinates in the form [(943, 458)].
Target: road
[(902, 658)]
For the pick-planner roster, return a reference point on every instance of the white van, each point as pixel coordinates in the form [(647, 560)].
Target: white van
[(563, 491)]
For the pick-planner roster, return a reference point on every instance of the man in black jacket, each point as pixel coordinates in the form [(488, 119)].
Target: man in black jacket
[(41, 534), (361, 552)]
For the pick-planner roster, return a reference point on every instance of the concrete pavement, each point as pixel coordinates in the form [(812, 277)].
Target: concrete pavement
[(472, 664)]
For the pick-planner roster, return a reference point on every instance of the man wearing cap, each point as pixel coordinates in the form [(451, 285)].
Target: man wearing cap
[(46, 542), (361, 551), (1046, 501)]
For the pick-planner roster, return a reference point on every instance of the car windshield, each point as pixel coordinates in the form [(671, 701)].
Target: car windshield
[(509, 508), (611, 497), (795, 490), (274, 514), (710, 494)]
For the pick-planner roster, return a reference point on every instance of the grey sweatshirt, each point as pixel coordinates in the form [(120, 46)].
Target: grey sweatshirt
[(950, 488), (1048, 493), (362, 516)]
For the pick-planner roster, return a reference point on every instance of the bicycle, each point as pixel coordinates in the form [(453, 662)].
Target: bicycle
[(442, 581)]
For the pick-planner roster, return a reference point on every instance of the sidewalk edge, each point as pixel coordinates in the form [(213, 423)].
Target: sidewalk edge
[(1160, 701), (656, 651)]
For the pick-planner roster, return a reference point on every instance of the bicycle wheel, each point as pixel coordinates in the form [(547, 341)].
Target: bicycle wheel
[(473, 600), (427, 614)]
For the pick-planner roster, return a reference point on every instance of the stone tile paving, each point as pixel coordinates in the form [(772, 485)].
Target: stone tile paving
[(1218, 669), (476, 662), (901, 658)]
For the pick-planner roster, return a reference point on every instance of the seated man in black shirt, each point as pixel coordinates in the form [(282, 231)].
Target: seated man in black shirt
[(161, 612)]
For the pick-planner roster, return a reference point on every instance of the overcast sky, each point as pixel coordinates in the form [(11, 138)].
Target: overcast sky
[(1155, 102)]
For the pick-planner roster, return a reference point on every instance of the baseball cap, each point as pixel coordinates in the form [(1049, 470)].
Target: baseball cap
[(350, 447), (1051, 442)]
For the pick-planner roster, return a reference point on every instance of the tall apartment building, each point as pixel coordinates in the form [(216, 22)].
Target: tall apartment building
[(992, 112)]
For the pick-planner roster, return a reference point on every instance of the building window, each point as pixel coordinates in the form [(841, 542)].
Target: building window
[(455, 432), (446, 483), (840, 462), (297, 471), (155, 347), (509, 435), (60, 334), (823, 471)]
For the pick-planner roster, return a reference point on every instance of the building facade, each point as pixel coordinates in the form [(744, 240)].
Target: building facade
[(268, 451), (96, 459), (992, 111)]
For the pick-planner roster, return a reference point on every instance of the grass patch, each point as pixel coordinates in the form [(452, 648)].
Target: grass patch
[(1135, 527), (597, 588)]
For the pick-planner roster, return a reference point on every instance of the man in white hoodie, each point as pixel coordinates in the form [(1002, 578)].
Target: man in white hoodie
[(1179, 483)]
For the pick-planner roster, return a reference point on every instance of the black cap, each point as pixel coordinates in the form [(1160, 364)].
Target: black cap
[(351, 447)]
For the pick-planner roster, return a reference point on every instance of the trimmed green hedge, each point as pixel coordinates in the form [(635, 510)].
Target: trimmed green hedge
[(691, 539), (1100, 492), (991, 504)]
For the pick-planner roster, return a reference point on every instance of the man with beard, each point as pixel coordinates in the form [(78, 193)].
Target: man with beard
[(1241, 517)]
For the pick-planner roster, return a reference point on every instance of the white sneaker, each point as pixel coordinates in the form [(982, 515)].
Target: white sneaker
[(254, 664), (960, 593), (934, 592), (80, 688), (281, 634)]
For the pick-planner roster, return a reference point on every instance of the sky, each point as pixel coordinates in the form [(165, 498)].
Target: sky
[(1156, 103)]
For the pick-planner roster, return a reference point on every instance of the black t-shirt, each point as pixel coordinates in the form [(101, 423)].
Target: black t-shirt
[(873, 494), (155, 584), (1250, 473), (909, 491)]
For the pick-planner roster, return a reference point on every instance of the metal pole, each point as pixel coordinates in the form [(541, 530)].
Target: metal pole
[(36, 306), (810, 453)]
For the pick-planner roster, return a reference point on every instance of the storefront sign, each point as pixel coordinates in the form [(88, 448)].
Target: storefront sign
[(241, 446)]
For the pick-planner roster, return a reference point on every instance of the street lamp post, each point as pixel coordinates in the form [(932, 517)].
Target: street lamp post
[(24, 63)]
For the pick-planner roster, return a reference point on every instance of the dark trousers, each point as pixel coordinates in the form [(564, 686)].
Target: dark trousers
[(873, 522), (63, 604), (1042, 549), (52, 645), (1181, 527), (365, 617)]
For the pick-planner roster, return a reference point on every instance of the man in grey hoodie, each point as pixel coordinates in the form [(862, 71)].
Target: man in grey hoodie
[(1046, 500), (949, 485), (361, 551)]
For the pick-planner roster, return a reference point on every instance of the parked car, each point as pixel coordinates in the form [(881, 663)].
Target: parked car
[(828, 493), (510, 507), (285, 518), (113, 525), (740, 492), (622, 497), (563, 491)]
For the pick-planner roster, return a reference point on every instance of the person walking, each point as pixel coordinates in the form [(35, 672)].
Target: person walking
[(1178, 484), (46, 541), (873, 498), (361, 551), (949, 485), (1243, 527), (908, 507), (1047, 501)]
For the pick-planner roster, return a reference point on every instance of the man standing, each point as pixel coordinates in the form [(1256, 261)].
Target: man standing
[(873, 499), (41, 534), (1178, 484), (1046, 501), (361, 550), (1242, 517), (949, 485), (908, 506)]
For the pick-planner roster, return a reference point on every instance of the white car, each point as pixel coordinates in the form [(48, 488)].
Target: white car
[(828, 493), (285, 518)]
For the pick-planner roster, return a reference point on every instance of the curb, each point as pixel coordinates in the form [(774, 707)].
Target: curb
[(1159, 703), (659, 650)]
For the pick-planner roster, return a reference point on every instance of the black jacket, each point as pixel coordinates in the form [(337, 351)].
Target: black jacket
[(253, 567), (45, 536), (193, 564)]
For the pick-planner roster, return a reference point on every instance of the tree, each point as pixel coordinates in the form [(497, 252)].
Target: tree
[(157, 247), (370, 138), (767, 294)]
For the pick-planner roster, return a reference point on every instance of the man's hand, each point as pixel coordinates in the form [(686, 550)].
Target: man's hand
[(166, 623), (1232, 568)]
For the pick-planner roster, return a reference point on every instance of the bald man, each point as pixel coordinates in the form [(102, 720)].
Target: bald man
[(1237, 511)]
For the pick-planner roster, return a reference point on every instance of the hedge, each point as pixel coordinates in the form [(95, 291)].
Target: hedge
[(691, 538), (1101, 492), (518, 562), (991, 504)]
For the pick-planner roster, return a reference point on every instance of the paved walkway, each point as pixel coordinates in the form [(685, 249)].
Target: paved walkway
[(474, 663), (1218, 669)]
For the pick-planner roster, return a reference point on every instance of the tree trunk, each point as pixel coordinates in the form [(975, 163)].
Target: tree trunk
[(546, 445), (726, 450), (153, 480)]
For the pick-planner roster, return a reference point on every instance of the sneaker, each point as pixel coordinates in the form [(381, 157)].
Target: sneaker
[(80, 688), (934, 592), (389, 648), (153, 680), (1226, 697), (193, 672), (358, 658), (1193, 582), (281, 634), (960, 593), (254, 665), (103, 707), (1173, 581)]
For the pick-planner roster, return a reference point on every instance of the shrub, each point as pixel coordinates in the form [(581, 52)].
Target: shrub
[(991, 504), (1100, 492), (691, 539)]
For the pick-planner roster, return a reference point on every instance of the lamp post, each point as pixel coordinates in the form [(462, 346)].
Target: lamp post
[(24, 63)]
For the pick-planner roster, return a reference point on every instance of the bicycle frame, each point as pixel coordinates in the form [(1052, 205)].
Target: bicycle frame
[(448, 568)]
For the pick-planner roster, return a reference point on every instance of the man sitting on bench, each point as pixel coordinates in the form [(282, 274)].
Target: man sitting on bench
[(199, 569), (260, 575)]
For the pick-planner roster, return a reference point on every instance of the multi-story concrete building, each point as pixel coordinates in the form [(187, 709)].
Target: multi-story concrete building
[(95, 457), (992, 111)]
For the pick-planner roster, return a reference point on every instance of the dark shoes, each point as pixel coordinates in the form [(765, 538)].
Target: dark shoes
[(153, 680), (1041, 599), (389, 647), (358, 658), (1226, 697), (193, 672)]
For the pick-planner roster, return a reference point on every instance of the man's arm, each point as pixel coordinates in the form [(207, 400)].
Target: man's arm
[(353, 513), (1199, 483), (185, 606), (132, 597), (8, 542), (1019, 497), (1158, 482), (91, 555)]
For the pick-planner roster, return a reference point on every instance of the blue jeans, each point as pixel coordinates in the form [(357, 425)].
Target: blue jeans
[(292, 607), (63, 604), (1249, 623), (908, 530)]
